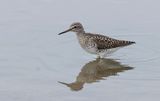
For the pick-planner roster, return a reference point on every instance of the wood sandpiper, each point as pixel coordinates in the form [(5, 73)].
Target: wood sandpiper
[(95, 43)]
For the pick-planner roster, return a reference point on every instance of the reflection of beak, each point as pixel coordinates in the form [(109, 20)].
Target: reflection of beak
[(63, 83), (75, 86), (66, 31)]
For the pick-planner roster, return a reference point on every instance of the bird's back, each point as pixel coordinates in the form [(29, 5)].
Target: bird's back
[(105, 42)]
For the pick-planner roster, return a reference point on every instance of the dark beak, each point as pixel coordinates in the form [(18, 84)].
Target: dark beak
[(65, 31)]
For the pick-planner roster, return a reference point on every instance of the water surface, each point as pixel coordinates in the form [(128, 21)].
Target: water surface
[(38, 65)]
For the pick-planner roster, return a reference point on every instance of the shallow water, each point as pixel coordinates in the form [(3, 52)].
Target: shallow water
[(38, 65)]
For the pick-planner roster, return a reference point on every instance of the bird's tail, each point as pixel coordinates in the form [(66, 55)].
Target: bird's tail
[(126, 43)]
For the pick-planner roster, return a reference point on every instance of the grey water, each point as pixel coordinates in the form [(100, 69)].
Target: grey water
[(38, 65)]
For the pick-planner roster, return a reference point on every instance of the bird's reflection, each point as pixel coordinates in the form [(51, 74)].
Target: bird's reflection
[(95, 71)]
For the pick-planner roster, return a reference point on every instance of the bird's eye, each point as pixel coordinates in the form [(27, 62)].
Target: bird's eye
[(75, 26)]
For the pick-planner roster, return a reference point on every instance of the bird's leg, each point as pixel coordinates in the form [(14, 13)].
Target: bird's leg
[(98, 57)]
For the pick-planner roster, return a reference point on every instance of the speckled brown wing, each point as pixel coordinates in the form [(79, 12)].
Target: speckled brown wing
[(104, 42)]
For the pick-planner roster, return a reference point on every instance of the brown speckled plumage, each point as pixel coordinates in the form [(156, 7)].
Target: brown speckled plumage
[(104, 42), (96, 43)]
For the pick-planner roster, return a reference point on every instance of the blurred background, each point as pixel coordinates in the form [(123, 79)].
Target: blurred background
[(33, 58)]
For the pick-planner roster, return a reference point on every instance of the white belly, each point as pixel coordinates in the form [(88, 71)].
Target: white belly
[(89, 46), (91, 50), (102, 53), (107, 52)]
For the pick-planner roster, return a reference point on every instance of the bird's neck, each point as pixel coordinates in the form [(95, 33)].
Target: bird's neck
[(81, 37), (81, 33)]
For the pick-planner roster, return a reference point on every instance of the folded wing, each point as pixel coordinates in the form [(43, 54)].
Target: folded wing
[(104, 42)]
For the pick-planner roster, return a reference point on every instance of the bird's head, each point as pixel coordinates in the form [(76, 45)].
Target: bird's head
[(74, 27)]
